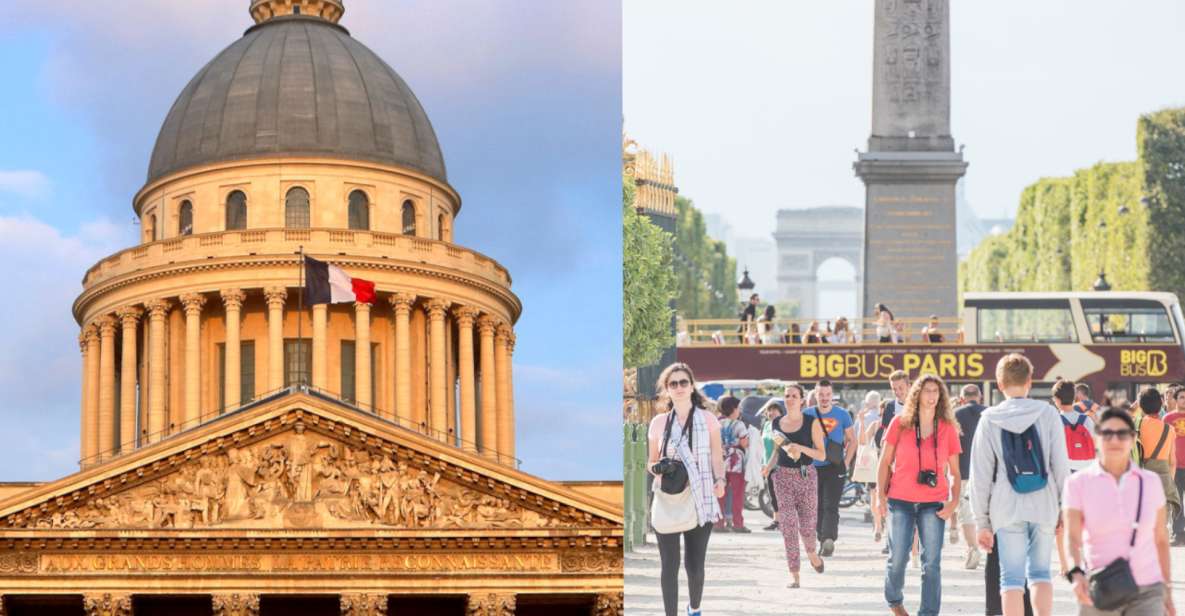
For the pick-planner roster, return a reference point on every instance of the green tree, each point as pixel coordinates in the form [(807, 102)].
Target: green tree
[(648, 284), (706, 274)]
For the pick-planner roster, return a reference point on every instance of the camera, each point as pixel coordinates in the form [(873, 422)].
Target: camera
[(663, 466), (929, 478)]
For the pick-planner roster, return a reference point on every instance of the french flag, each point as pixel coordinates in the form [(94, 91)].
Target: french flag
[(329, 284)]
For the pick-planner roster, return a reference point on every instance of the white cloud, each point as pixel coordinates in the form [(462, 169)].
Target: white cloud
[(39, 358), (32, 184)]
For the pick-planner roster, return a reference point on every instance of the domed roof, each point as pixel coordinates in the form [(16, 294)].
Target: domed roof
[(297, 85)]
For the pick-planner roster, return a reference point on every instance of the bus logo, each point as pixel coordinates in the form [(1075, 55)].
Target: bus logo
[(1143, 363)]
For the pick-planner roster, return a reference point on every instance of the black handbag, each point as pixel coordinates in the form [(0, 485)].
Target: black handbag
[(835, 456), (671, 470), (1113, 586)]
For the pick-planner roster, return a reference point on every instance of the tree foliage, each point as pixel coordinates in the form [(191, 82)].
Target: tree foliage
[(648, 284), (1126, 218), (706, 274)]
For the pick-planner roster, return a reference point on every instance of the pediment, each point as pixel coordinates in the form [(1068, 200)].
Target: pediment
[(301, 462)]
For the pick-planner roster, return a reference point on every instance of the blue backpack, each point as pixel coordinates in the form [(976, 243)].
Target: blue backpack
[(1024, 460)]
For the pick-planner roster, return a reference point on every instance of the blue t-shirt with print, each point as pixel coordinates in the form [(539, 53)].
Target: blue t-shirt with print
[(834, 424)]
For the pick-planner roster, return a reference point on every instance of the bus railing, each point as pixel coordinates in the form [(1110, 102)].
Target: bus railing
[(708, 332)]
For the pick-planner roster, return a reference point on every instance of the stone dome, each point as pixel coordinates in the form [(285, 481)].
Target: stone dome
[(299, 86)]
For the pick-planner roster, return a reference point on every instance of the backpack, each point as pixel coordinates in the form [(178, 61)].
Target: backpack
[(1024, 460), (1079, 444)]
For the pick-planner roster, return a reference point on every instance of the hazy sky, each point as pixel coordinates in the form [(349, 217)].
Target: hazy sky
[(761, 103), (525, 97)]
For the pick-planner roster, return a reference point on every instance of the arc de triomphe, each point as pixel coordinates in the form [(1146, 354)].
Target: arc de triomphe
[(808, 237)]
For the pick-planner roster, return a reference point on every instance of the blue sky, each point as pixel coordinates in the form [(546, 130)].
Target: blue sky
[(525, 97)]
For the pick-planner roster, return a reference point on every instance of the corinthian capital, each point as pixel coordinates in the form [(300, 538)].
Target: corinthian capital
[(609, 604), (488, 325), (107, 325), (158, 308), (107, 605), (436, 308), (90, 332), (491, 605), (363, 605), (465, 315), (233, 298), (236, 605), (129, 315), (504, 332), (193, 303), (402, 302), (276, 296)]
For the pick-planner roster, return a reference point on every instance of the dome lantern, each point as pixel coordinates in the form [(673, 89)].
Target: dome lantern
[(329, 10)]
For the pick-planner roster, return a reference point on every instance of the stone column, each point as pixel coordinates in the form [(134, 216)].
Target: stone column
[(363, 605), (233, 299), (107, 432), (437, 390), (491, 604), (402, 303), (90, 395), (487, 419), (465, 317), (320, 345), (158, 311), (129, 317), (609, 604), (502, 345), (362, 374), (236, 605), (275, 336), (193, 303), (107, 604)]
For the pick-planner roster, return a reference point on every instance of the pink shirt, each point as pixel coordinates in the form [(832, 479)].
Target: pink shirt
[(1108, 509), (903, 483)]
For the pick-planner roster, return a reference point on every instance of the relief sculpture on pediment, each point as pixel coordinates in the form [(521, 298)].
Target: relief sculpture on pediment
[(298, 480)]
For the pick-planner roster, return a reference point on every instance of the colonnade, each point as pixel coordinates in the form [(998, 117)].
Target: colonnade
[(480, 369)]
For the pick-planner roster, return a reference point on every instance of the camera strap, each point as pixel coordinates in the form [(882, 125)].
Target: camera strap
[(917, 434)]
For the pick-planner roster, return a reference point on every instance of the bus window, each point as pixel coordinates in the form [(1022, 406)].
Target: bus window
[(1026, 324), (1131, 323)]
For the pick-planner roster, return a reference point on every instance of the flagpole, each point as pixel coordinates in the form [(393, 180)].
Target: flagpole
[(300, 320)]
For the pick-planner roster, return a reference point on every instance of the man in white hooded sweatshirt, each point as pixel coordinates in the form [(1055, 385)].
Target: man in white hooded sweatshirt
[(1023, 523)]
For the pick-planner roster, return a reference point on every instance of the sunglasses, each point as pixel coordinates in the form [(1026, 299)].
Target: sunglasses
[(1122, 435), (678, 383)]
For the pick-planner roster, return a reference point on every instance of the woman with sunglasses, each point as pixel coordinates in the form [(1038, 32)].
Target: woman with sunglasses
[(1101, 504), (694, 439), (921, 449), (799, 439)]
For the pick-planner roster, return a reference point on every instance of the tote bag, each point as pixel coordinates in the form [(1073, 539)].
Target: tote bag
[(864, 470)]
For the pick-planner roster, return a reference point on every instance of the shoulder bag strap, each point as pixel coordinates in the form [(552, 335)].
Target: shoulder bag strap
[(666, 434), (1164, 434), (1139, 508)]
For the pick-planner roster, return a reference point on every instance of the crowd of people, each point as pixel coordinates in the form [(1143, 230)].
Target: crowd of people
[(761, 326), (1098, 484)]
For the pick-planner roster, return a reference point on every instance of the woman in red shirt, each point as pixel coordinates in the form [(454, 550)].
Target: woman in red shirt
[(921, 448)]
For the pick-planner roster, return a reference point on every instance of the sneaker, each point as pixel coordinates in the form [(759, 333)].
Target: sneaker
[(741, 529), (971, 562), (692, 613), (773, 526), (828, 548)]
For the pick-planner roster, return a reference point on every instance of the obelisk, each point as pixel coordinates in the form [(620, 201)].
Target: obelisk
[(911, 166)]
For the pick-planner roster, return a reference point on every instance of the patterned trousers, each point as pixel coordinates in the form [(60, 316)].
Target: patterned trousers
[(797, 509)]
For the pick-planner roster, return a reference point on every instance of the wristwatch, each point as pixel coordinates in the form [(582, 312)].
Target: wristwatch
[(1071, 572)]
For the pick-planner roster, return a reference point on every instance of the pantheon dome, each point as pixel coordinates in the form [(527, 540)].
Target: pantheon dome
[(296, 139), (297, 85)]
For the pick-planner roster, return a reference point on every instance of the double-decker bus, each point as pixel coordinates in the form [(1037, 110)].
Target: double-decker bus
[(1116, 342)]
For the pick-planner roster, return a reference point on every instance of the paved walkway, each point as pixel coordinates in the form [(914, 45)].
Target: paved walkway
[(747, 576)]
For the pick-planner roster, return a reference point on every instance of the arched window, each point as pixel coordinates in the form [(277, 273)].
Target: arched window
[(296, 209), (236, 211), (359, 211), (409, 218), (440, 227), (185, 219)]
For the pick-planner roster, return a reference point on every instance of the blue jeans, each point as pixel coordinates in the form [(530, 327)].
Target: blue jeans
[(904, 517), (1025, 551)]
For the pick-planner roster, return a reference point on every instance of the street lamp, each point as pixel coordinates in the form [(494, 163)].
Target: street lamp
[(746, 283)]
